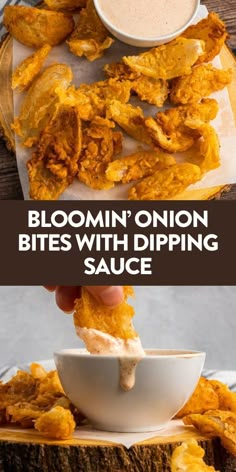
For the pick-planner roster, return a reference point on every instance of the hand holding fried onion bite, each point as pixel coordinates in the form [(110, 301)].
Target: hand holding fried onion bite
[(66, 296)]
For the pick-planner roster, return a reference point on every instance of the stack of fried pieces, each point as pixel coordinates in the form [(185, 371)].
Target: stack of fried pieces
[(212, 411), (37, 399), (73, 130)]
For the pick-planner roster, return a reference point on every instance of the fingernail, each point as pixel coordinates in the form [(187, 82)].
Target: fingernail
[(112, 295)]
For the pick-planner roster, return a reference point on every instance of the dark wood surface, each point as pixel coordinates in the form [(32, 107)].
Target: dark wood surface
[(10, 188)]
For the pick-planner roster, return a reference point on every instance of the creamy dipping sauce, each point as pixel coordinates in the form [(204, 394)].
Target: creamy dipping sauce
[(148, 18), (127, 372), (128, 351)]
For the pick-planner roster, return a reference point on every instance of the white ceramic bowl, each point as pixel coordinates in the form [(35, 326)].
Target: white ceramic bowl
[(164, 382), (140, 41)]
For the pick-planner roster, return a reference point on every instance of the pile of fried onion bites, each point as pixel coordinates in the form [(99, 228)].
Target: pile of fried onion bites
[(212, 411), (77, 133), (36, 399)]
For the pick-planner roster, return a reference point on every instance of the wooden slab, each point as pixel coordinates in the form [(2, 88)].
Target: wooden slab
[(6, 110), (23, 451)]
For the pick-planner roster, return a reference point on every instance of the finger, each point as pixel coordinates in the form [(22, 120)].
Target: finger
[(50, 288), (111, 296), (66, 296)]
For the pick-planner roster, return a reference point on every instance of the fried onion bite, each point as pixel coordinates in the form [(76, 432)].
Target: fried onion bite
[(170, 131), (216, 423), (54, 164), (27, 70), (91, 98), (39, 104), (209, 395), (36, 27), (203, 398), (168, 61), (167, 183), (100, 143), (153, 91), (138, 165), (28, 397), (202, 82), (188, 457), (90, 37), (212, 31), (57, 423), (208, 152), (130, 119), (116, 321)]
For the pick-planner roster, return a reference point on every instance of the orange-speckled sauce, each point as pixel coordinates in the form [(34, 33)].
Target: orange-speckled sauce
[(148, 18)]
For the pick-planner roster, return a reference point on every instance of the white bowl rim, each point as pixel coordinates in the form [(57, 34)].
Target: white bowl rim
[(172, 354), (139, 38)]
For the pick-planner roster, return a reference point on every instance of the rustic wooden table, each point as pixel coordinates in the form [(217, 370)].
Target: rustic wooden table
[(10, 188)]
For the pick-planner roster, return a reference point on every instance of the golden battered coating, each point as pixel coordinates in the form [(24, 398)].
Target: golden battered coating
[(89, 105), (108, 89), (23, 413), (28, 397), (90, 37), (27, 70), (153, 91), (54, 164), (57, 423), (116, 321), (91, 98), (39, 104), (120, 71), (65, 4), (189, 458), (212, 31), (169, 130), (98, 150), (203, 398), (38, 371), (44, 185), (168, 61), (36, 27), (130, 119), (21, 386), (227, 399), (167, 183), (138, 165), (202, 82), (50, 384), (216, 423), (209, 145)]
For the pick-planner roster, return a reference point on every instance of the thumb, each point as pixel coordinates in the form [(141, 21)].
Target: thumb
[(107, 295)]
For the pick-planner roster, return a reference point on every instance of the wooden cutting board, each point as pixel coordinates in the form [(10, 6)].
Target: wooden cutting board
[(6, 110), (27, 450)]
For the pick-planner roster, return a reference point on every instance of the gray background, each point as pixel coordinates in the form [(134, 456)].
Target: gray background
[(202, 318)]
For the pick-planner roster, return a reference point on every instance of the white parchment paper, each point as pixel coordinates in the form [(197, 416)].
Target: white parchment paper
[(87, 432), (174, 428), (86, 72)]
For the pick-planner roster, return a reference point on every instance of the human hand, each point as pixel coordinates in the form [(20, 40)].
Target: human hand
[(65, 296)]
